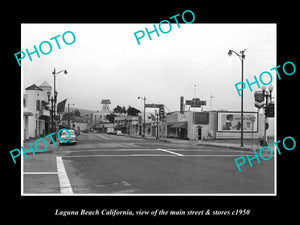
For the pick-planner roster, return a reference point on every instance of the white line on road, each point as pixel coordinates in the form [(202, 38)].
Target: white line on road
[(175, 153), (64, 183), (111, 150), (39, 172), (78, 156)]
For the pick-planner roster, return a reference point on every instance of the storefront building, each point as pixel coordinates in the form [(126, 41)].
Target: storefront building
[(210, 125)]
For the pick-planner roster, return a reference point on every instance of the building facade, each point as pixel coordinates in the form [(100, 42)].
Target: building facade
[(36, 113), (216, 125)]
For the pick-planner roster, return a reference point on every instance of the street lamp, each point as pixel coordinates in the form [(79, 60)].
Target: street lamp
[(266, 96), (54, 75), (241, 57), (144, 124), (53, 101), (55, 94)]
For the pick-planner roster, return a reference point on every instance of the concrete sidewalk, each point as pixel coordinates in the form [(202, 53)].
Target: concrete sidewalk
[(218, 144), (41, 146), (235, 146)]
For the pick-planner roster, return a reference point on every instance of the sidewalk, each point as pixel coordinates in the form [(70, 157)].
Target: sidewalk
[(227, 144), (41, 146), (235, 146), (40, 174)]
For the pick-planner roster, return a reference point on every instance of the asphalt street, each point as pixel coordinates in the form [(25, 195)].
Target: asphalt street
[(110, 164)]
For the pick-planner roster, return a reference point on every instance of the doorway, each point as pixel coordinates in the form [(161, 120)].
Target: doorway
[(199, 133)]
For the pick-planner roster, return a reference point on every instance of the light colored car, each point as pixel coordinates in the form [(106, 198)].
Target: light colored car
[(65, 136), (119, 133)]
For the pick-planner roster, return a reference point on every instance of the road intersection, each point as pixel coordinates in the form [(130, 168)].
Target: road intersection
[(116, 165)]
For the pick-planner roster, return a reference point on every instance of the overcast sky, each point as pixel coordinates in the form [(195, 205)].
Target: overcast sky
[(105, 62)]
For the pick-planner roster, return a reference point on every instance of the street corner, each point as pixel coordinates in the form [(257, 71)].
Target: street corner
[(225, 146), (34, 146)]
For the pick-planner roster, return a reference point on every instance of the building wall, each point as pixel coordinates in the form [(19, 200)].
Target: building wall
[(210, 130), (34, 126)]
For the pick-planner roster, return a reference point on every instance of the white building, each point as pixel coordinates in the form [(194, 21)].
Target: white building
[(36, 113)]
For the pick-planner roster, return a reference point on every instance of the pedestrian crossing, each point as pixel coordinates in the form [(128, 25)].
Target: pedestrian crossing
[(99, 146)]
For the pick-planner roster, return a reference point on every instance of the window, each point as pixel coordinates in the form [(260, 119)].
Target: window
[(38, 105)]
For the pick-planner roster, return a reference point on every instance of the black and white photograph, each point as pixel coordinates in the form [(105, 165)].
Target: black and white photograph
[(165, 114), (147, 118)]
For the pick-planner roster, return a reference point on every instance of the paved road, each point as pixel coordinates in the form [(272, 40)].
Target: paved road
[(109, 164)]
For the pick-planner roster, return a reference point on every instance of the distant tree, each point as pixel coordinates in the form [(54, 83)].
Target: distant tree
[(77, 113), (65, 116), (117, 109), (111, 117), (131, 111), (124, 110)]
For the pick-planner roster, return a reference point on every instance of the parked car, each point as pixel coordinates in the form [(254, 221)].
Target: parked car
[(65, 136), (119, 133)]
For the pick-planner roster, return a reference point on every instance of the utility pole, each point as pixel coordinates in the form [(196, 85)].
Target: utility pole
[(241, 57)]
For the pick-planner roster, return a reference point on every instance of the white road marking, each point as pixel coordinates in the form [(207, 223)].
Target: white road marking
[(206, 150), (40, 173), (64, 183), (144, 155), (110, 150), (78, 156), (175, 153)]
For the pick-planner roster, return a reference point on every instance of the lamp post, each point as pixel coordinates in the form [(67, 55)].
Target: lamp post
[(54, 76), (241, 56), (53, 101), (144, 123), (266, 96)]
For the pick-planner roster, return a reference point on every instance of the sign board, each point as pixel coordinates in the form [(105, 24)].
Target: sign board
[(105, 101), (195, 103), (259, 99), (152, 105), (202, 103), (201, 117), (181, 105), (231, 121)]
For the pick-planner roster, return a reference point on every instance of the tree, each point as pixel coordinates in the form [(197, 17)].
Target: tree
[(117, 109), (111, 117), (131, 111), (65, 116), (124, 111), (77, 113)]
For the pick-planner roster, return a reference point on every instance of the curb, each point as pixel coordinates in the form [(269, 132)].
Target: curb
[(50, 149), (146, 138), (225, 146)]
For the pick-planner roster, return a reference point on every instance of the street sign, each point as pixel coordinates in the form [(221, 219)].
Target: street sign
[(181, 105), (161, 112), (202, 102), (152, 105), (259, 99), (105, 101), (270, 110), (195, 103)]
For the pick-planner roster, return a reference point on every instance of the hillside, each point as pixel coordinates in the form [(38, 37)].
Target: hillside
[(83, 112)]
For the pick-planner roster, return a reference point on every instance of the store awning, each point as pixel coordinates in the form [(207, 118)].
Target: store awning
[(179, 125), (26, 112), (44, 117)]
